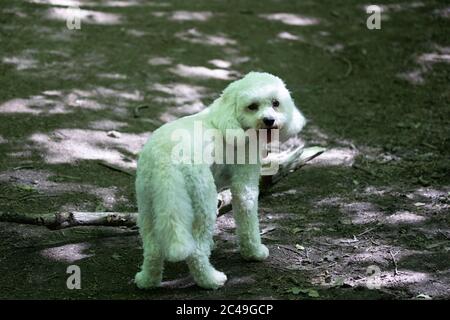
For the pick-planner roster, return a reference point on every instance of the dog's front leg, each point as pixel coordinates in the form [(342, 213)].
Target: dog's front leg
[(245, 191)]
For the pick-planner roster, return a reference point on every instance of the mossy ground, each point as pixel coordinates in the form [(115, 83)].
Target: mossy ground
[(377, 99)]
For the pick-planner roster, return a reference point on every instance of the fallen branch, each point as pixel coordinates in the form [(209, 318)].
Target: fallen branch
[(288, 162), (72, 219)]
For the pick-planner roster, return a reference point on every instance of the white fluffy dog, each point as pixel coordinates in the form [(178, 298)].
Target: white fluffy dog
[(178, 202)]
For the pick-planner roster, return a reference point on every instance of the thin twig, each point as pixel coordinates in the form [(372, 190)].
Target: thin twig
[(23, 167), (349, 65), (367, 231), (289, 249), (137, 109), (395, 263)]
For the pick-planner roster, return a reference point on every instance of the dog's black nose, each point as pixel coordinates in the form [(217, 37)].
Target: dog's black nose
[(269, 121)]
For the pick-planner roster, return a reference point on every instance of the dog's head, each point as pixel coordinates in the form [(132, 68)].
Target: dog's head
[(258, 101)]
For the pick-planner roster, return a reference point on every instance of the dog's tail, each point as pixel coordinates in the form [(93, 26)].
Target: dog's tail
[(174, 217)]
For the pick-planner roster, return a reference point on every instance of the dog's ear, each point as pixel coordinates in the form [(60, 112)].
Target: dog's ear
[(296, 122), (225, 111)]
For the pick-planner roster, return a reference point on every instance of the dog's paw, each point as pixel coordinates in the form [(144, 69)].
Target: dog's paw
[(212, 280), (260, 254), (143, 281)]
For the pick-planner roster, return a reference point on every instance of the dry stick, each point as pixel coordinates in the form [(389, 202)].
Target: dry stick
[(395, 263), (289, 249), (289, 161), (367, 231), (72, 219)]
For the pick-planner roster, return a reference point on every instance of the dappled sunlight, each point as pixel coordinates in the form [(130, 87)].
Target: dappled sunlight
[(136, 33), (443, 13), (58, 62), (58, 101), (371, 190), (40, 181), (336, 157), (284, 193), (68, 253), (87, 16), (432, 193), (191, 15), (21, 63), (184, 15), (159, 61), (422, 203), (220, 63), (203, 72), (33, 105), (112, 76), (426, 64), (195, 36), (181, 94), (397, 7), (362, 212), (237, 281), (107, 125), (365, 263), (183, 99), (70, 145), (291, 19), (387, 279), (404, 217), (289, 36), (62, 3)]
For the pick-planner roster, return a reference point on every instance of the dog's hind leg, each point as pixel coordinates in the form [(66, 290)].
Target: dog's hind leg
[(152, 267), (204, 274), (204, 203)]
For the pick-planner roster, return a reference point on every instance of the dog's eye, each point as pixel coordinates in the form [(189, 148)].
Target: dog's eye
[(275, 103), (253, 106)]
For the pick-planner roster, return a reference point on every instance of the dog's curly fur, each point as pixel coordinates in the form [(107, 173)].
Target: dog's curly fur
[(177, 202)]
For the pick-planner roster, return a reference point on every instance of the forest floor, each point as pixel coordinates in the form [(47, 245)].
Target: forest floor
[(368, 219)]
